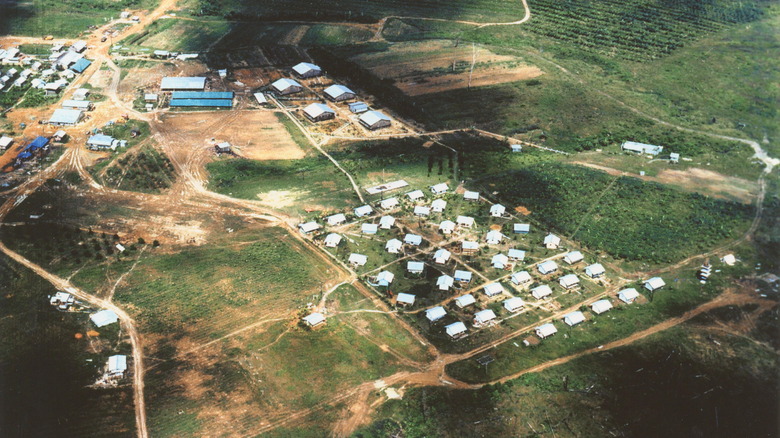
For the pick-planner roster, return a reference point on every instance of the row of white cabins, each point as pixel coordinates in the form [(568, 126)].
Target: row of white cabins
[(318, 112)]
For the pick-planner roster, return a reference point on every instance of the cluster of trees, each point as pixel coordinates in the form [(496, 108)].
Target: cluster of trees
[(149, 170)]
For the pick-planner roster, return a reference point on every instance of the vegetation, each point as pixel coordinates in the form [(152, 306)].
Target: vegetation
[(61, 18), (178, 35), (38, 352), (673, 383), (623, 216), (147, 170)]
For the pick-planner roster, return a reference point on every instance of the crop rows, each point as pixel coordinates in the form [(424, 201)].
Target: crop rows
[(635, 31)]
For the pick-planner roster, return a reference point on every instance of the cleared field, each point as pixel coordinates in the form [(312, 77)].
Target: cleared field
[(179, 35), (61, 18), (433, 66)]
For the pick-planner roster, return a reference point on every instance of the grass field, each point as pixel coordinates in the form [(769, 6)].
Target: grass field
[(38, 353), (61, 18), (350, 10), (656, 223), (292, 186), (671, 383), (178, 35), (682, 293)]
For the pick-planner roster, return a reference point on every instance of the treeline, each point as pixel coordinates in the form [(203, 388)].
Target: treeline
[(634, 220)]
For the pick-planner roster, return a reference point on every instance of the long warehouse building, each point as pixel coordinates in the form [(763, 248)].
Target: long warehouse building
[(213, 99)]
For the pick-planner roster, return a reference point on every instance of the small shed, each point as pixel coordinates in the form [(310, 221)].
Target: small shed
[(260, 98), (363, 210), (83, 105), (439, 189), (308, 227), (494, 237), (369, 228), (6, 141), (438, 205), (445, 282), (386, 222), (497, 210), (516, 255), (116, 365), (595, 270), (471, 196), (729, 259), (332, 240), (542, 291), (493, 289), (358, 107), (514, 304), (415, 267), (674, 157), (465, 300), (546, 330), (393, 246), (405, 299), (569, 281), (601, 306), (574, 318), (422, 211), (547, 267), (413, 239), (101, 141), (447, 227), (573, 257), (81, 94), (465, 221), (385, 278), (641, 148), (104, 318), (336, 219), (441, 256), (463, 276), (499, 261), (469, 247), (435, 313), (551, 241), (387, 204), (314, 319), (483, 317), (628, 296), (654, 284), (415, 195), (521, 228), (357, 259), (516, 147), (520, 278), (456, 329)]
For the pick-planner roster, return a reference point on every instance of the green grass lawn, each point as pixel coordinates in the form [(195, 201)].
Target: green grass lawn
[(656, 223), (179, 35), (61, 18)]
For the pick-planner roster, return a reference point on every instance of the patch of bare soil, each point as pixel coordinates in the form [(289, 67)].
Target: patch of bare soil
[(434, 66), (279, 198), (294, 37), (480, 77)]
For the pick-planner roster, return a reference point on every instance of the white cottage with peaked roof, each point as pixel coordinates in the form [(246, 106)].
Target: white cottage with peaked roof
[(569, 281), (547, 267), (393, 246), (465, 300), (497, 210), (445, 282), (601, 306), (413, 239), (386, 222), (573, 257), (595, 270), (493, 289), (438, 205), (435, 313), (540, 292), (546, 330), (447, 227), (551, 241), (363, 210), (332, 240), (520, 278), (628, 296), (336, 219), (483, 317), (307, 70), (441, 256), (514, 304), (357, 259), (456, 329), (574, 318)]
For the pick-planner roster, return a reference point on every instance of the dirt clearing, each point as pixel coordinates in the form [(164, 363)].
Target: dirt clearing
[(434, 66)]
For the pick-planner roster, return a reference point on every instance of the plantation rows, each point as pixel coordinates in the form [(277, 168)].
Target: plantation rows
[(636, 220), (147, 171), (632, 30)]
